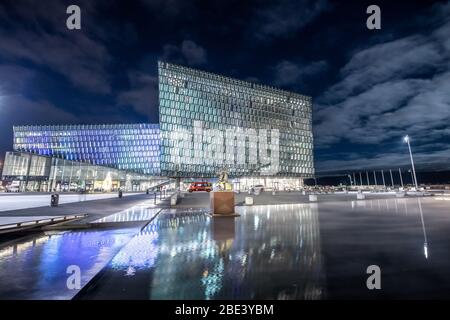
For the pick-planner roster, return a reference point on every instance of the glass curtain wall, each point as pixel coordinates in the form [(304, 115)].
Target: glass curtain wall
[(30, 172), (133, 147), (209, 121)]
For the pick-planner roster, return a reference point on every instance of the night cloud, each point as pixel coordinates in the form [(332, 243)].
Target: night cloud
[(49, 44), (287, 73), (386, 91), (142, 95), (188, 52), (17, 108), (283, 18)]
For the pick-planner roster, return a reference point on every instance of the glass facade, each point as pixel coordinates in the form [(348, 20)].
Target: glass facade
[(133, 147), (209, 122), (31, 172)]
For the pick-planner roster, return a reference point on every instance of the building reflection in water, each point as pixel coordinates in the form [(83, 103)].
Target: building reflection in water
[(136, 213), (270, 252)]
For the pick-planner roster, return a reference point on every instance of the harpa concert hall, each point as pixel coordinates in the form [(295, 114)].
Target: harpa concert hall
[(207, 123)]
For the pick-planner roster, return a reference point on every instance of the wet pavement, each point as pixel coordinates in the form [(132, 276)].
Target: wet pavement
[(297, 251)]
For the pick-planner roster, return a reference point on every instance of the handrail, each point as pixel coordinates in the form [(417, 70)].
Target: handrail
[(40, 221)]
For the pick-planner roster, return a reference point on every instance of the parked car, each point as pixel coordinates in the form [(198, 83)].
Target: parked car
[(13, 186), (257, 189), (200, 186)]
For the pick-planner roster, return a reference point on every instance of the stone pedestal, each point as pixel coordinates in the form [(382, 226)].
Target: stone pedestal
[(222, 203)]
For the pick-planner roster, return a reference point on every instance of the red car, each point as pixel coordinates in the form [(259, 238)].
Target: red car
[(200, 186)]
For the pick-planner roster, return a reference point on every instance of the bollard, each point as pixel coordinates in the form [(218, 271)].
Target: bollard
[(54, 200), (248, 201), (360, 196), (312, 197), (173, 200)]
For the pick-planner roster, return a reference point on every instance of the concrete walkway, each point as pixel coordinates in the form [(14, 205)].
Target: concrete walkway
[(16, 201), (96, 209)]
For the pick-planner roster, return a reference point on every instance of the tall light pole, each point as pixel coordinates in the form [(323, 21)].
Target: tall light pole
[(406, 139)]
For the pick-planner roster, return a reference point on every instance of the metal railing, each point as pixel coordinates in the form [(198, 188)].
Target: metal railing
[(32, 223)]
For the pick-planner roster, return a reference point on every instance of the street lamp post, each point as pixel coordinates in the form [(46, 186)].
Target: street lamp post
[(406, 139)]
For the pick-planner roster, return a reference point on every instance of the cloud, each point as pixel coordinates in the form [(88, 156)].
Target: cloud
[(142, 95), (384, 92), (169, 9), (288, 73), (283, 18), (187, 53), (49, 44), (407, 57), (19, 109)]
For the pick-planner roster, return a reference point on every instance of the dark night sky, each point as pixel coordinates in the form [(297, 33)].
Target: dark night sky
[(369, 87)]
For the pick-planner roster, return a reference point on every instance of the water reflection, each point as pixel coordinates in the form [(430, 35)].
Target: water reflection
[(267, 253), (136, 213), (425, 244), (36, 268), (399, 206)]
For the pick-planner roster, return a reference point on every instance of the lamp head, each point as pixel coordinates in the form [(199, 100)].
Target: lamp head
[(406, 138)]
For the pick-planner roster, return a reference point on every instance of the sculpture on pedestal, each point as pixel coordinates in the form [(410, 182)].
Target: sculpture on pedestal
[(223, 180)]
